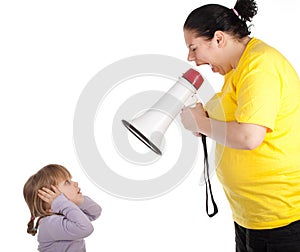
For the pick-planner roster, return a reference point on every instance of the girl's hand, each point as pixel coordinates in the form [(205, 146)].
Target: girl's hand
[(48, 195)]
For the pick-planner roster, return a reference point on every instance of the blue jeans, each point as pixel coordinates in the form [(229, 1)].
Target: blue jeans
[(282, 239)]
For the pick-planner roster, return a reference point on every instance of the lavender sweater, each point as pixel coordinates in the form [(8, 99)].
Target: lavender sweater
[(61, 233)]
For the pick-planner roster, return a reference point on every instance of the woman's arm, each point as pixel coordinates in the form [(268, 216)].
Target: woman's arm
[(231, 134)]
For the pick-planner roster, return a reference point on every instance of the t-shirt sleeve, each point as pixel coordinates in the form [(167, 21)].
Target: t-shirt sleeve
[(258, 99)]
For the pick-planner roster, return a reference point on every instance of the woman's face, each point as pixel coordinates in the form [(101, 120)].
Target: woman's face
[(207, 52)]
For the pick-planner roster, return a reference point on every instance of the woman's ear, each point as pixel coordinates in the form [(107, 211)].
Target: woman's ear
[(219, 37)]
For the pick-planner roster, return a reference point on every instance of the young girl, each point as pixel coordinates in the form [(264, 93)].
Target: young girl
[(64, 214)]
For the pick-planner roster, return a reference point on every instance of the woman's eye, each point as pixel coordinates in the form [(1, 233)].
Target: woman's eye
[(67, 182), (193, 49)]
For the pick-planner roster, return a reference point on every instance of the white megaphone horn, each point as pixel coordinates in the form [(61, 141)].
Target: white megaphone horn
[(151, 126)]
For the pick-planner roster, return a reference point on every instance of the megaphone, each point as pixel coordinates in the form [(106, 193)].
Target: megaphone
[(151, 126)]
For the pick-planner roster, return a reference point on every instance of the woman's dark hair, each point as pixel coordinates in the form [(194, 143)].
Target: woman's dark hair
[(208, 19)]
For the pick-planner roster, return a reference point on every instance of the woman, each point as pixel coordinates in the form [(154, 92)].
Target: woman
[(254, 120)]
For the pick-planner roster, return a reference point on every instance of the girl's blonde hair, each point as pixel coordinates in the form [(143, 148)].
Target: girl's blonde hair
[(45, 177)]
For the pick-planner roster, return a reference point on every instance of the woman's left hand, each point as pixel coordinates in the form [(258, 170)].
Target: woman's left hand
[(190, 117)]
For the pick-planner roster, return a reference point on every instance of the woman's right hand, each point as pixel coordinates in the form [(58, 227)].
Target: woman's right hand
[(190, 117), (197, 134), (49, 195)]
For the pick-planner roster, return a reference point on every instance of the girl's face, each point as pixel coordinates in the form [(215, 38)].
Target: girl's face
[(204, 52), (71, 190)]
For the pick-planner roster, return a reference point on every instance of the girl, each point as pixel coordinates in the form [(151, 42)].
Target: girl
[(64, 214), (254, 120)]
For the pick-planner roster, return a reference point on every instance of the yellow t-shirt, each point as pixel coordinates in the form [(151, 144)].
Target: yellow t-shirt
[(262, 185)]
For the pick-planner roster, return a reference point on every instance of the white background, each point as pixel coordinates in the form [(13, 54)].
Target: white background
[(49, 50)]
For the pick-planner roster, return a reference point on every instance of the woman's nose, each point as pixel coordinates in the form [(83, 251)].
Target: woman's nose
[(191, 56)]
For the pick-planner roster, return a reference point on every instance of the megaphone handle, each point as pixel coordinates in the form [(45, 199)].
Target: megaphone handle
[(192, 101), (207, 181)]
